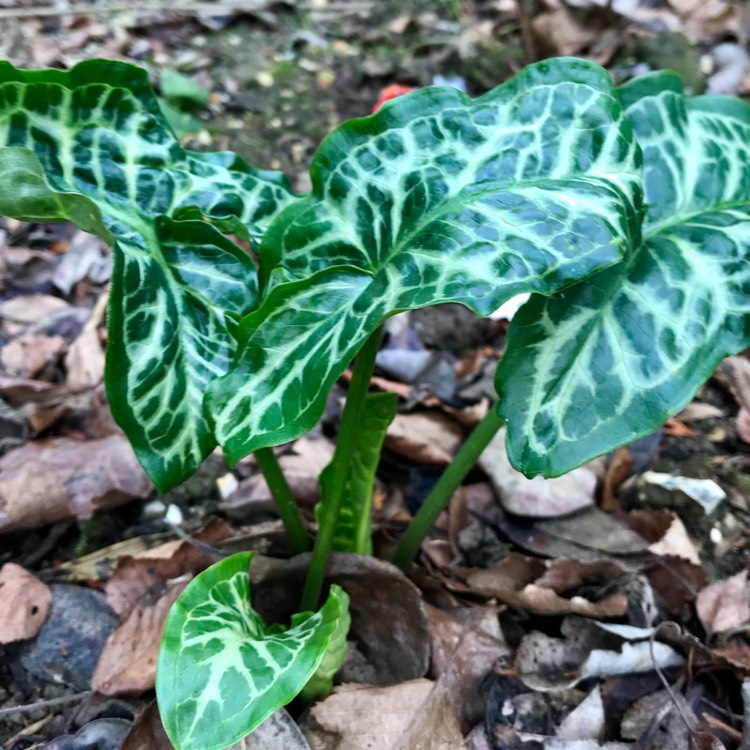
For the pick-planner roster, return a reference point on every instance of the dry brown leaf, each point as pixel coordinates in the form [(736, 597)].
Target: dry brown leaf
[(362, 717), (537, 497), (703, 19), (675, 428), (428, 437), (527, 583), (657, 719), (84, 361), (724, 605), (24, 603), (676, 580), (435, 726), (49, 480), (147, 732), (387, 609), (742, 425), (561, 32), (737, 652), (29, 354), (127, 665), (618, 470), (462, 654), (30, 308), (737, 371), (135, 576)]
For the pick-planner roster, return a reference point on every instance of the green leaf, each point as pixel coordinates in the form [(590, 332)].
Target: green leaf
[(609, 359), (353, 525), (222, 670), (91, 146), (436, 198), (321, 683)]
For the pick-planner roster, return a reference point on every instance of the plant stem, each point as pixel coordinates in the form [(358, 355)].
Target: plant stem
[(342, 457), (284, 499), (449, 482)]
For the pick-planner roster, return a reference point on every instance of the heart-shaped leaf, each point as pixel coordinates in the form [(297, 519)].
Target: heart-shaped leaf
[(222, 670), (610, 358), (436, 198), (91, 146)]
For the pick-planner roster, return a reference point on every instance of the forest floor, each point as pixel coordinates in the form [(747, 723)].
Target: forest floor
[(613, 615)]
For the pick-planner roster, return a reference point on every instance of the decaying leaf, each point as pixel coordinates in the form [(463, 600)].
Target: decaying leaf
[(29, 354), (397, 645), (147, 732), (127, 665), (463, 652), (46, 481), (85, 361), (362, 717), (529, 584), (589, 650), (586, 720), (24, 603), (724, 605), (425, 437), (135, 576), (537, 497)]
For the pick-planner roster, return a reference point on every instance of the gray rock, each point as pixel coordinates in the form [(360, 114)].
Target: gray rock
[(68, 646)]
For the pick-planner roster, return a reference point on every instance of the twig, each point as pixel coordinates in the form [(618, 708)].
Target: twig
[(208, 9), (51, 703), (207, 548), (675, 701)]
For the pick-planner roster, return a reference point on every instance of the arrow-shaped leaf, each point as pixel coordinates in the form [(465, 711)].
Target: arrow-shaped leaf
[(436, 198), (91, 146), (222, 670), (612, 357)]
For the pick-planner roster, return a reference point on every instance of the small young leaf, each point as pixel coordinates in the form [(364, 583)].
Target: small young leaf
[(221, 670), (612, 357), (353, 525), (436, 198), (90, 145)]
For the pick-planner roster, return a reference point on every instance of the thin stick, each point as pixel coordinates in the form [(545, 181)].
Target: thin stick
[(202, 546), (52, 703), (670, 692)]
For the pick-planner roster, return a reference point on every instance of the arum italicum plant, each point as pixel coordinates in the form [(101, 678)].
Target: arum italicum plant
[(624, 213)]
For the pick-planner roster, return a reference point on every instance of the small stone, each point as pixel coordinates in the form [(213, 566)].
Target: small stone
[(264, 79)]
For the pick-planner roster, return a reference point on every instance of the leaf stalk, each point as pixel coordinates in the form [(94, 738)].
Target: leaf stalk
[(330, 505), (284, 499), (449, 482)]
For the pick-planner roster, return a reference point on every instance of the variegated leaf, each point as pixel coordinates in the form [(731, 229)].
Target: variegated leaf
[(436, 198), (221, 670), (91, 146), (612, 357), (353, 532)]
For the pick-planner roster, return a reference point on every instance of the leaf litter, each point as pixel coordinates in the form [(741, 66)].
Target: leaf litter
[(504, 642)]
